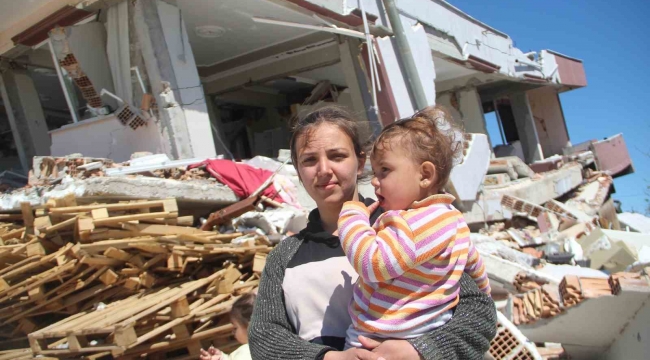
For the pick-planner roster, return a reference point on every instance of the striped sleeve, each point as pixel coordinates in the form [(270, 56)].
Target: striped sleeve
[(380, 255), (476, 269)]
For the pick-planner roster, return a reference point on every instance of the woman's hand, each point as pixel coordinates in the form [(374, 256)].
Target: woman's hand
[(211, 354), (352, 354), (391, 349)]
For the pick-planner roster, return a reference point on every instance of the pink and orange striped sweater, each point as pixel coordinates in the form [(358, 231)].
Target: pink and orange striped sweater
[(409, 264)]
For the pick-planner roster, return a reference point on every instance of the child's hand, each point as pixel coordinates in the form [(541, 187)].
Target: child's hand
[(372, 207), (211, 354)]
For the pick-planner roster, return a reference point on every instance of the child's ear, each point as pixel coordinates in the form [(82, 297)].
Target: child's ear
[(427, 174)]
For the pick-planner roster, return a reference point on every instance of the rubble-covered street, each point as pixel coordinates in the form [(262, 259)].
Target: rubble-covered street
[(145, 170), (86, 236)]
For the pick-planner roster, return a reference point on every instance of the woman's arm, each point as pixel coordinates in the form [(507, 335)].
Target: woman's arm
[(270, 334), (468, 334)]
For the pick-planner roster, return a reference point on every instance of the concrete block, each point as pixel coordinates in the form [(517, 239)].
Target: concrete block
[(467, 177), (496, 179)]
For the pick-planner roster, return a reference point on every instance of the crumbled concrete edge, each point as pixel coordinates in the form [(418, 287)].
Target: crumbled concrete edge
[(123, 188)]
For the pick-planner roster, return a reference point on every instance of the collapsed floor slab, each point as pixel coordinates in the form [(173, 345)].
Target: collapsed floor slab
[(551, 185), (123, 188), (584, 334)]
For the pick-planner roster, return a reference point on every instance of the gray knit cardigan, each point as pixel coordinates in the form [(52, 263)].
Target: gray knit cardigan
[(466, 336)]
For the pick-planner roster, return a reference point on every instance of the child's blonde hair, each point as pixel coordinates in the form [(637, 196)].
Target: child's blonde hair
[(429, 135)]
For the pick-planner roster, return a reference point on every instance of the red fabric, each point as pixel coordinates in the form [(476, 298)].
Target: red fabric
[(241, 178)]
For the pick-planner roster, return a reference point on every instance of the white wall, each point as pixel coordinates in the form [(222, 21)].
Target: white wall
[(33, 112), (106, 137), (469, 112), (549, 120)]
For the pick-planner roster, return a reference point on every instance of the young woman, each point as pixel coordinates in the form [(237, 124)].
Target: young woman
[(301, 308)]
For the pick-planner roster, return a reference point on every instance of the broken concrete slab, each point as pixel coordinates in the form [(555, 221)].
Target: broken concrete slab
[(503, 273), (487, 245), (551, 185), (511, 165), (584, 335), (123, 188), (591, 196)]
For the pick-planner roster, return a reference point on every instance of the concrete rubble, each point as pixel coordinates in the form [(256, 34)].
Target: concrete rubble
[(553, 245)]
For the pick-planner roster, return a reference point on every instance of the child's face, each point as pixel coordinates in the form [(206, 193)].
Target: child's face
[(240, 331), (396, 178)]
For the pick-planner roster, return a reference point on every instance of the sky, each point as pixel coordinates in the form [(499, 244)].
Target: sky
[(611, 38)]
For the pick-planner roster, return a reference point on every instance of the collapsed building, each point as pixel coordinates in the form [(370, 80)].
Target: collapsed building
[(85, 85)]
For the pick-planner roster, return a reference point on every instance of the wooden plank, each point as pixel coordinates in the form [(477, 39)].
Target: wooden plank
[(164, 345), (109, 207), (170, 206), (134, 217), (11, 217), (60, 226), (100, 261), (153, 229), (101, 213), (101, 246), (180, 307), (150, 247), (125, 336), (42, 222), (109, 277), (117, 254), (154, 260), (28, 214), (35, 249), (13, 234), (259, 262)]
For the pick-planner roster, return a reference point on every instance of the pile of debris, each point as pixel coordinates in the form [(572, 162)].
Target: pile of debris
[(546, 257), (122, 279)]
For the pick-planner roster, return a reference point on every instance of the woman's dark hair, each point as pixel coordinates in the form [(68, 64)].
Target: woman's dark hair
[(330, 114), (242, 309)]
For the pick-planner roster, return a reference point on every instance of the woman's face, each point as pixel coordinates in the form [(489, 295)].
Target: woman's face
[(328, 165)]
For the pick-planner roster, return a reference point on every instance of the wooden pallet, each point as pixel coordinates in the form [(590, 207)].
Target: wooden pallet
[(127, 324), (167, 287)]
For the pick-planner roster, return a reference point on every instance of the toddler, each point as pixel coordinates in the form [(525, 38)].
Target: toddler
[(411, 260), (240, 316)]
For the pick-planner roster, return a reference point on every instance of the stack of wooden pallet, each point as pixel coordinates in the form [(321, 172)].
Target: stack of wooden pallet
[(122, 279)]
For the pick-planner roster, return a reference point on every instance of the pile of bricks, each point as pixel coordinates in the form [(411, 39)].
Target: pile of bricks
[(620, 281), (127, 279), (575, 289)]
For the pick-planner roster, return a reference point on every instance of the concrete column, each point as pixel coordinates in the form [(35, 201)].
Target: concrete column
[(26, 116), (526, 127), (174, 79), (466, 107), (355, 78), (217, 130)]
